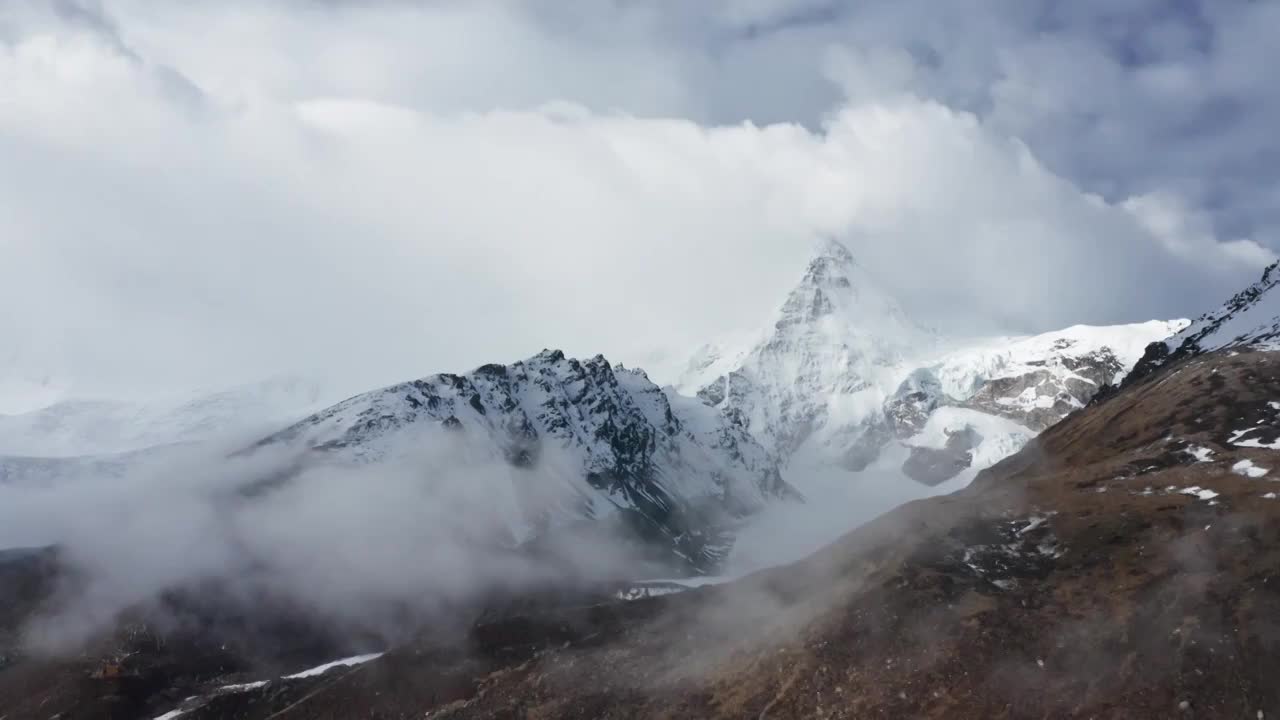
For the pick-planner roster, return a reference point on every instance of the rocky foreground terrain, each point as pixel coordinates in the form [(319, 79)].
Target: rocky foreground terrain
[(1124, 564)]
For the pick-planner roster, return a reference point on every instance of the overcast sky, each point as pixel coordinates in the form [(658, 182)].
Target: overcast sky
[(196, 194)]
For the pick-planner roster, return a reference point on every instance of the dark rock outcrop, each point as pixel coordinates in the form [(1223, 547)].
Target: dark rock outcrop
[(910, 406)]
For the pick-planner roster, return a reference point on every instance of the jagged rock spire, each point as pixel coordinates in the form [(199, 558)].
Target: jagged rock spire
[(840, 301), (835, 334)]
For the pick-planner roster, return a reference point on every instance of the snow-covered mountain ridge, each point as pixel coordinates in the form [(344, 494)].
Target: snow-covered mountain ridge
[(1034, 380), (678, 472), (843, 371), (821, 371), (1250, 318)]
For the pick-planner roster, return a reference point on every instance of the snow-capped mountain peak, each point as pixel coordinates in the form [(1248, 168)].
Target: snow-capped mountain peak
[(817, 372), (843, 372), (837, 300)]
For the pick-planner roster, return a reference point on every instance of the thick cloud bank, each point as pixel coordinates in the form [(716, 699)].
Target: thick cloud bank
[(204, 194)]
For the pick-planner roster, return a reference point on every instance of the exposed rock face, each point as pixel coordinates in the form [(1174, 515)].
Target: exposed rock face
[(910, 406), (679, 470), (1034, 399)]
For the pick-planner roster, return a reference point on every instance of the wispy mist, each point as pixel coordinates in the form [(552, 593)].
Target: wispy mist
[(437, 526)]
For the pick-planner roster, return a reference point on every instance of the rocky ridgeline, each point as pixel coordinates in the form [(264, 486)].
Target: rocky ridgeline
[(670, 468), (1251, 317)]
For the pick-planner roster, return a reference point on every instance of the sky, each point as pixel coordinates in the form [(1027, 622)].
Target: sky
[(203, 194)]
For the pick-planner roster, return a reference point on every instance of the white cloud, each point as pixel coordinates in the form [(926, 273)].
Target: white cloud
[(208, 194), (1188, 234)]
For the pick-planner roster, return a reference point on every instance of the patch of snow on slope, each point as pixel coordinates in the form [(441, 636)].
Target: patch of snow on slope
[(695, 582), (1201, 454), (1248, 469), (1239, 440), (648, 589), (1199, 492), (241, 687), (344, 662), (237, 688)]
